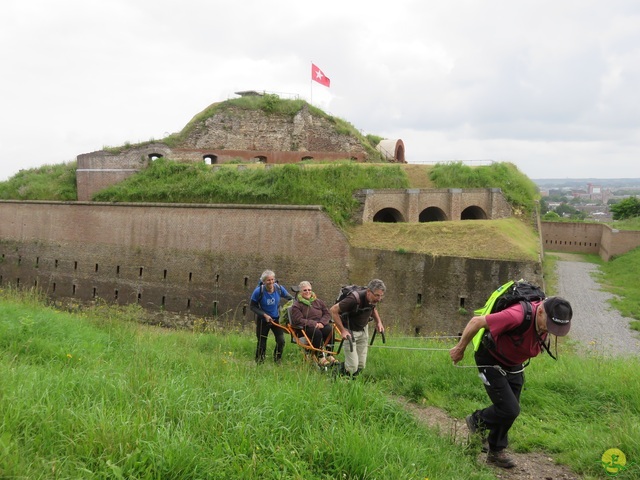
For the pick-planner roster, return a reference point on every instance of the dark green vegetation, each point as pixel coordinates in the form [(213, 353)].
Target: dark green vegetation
[(96, 395), (49, 182), (627, 208), (519, 190), (331, 186)]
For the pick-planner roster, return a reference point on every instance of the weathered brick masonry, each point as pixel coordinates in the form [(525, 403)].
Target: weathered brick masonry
[(229, 135), (206, 259), (596, 238)]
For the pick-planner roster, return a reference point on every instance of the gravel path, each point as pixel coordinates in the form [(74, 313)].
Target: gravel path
[(595, 323)]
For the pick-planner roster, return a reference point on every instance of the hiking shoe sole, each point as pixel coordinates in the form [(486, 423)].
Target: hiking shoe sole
[(500, 459)]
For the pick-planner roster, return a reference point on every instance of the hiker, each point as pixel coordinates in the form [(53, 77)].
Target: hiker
[(265, 303), (500, 365), (351, 315), (311, 314)]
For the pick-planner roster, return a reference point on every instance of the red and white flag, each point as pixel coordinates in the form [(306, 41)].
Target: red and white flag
[(318, 76)]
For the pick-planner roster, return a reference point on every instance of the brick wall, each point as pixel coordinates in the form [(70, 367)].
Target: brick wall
[(596, 238), (202, 259), (227, 136), (410, 203), (206, 260)]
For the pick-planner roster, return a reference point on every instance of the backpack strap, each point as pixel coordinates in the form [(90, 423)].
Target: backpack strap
[(277, 285), (527, 308)]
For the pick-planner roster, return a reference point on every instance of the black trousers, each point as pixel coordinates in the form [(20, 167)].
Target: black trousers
[(262, 332), (318, 336), (504, 390)]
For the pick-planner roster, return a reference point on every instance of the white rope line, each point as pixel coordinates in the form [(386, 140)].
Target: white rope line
[(411, 348), (425, 338)]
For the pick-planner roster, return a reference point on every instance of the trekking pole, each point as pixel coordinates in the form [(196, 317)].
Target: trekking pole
[(373, 337), (342, 341)]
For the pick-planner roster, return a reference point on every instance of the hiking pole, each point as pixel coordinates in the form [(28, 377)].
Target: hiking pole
[(342, 341), (373, 337)]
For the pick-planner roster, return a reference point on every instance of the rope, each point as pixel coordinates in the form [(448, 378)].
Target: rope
[(502, 371), (437, 337), (412, 348)]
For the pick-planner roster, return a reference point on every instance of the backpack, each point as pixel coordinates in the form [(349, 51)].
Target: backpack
[(360, 294), (284, 313), (354, 290), (261, 285), (505, 296)]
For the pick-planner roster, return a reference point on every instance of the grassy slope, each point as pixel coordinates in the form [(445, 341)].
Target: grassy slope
[(96, 395), (506, 239), (49, 182), (330, 185)]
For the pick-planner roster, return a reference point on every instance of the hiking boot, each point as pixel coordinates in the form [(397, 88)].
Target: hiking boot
[(474, 429), (500, 459), (471, 424), (323, 362)]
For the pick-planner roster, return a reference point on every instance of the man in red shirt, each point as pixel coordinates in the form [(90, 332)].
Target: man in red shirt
[(500, 359)]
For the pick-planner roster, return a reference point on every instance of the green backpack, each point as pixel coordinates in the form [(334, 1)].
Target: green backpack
[(284, 312), (506, 295)]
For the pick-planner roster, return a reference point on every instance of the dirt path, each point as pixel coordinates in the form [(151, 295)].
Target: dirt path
[(530, 466), (596, 326)]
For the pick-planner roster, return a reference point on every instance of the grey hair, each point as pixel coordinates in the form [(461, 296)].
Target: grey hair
[(267, 273), (303, 284), (376, 284)]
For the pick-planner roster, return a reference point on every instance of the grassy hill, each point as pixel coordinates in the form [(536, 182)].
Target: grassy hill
[(328, 184), (308, 183), (97, 395), (504, 239)]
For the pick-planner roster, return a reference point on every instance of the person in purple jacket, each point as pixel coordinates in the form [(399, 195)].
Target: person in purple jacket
[(311, 314)]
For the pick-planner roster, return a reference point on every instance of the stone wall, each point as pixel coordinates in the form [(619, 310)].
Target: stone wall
[(198, 258), (230, 135), (489, 203), (206, 260), (434, 295), (239, 129), (595, 238)]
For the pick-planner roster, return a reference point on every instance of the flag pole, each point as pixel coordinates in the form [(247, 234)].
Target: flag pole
[(311, 85)]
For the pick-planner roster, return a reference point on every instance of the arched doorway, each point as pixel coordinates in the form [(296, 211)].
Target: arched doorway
[(432, 214), (473, 213), (388, 215)]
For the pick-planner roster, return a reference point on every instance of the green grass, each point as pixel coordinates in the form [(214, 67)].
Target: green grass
[(504, 239), (97, 395), (519, 190), (574, 409), (620, 277), (49, 182), (331, 186), (627, 224)]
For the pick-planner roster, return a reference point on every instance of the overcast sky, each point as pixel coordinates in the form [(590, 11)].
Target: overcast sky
[(550, 85)]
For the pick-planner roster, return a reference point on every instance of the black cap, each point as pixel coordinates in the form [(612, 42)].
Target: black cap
[(559, 315)]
